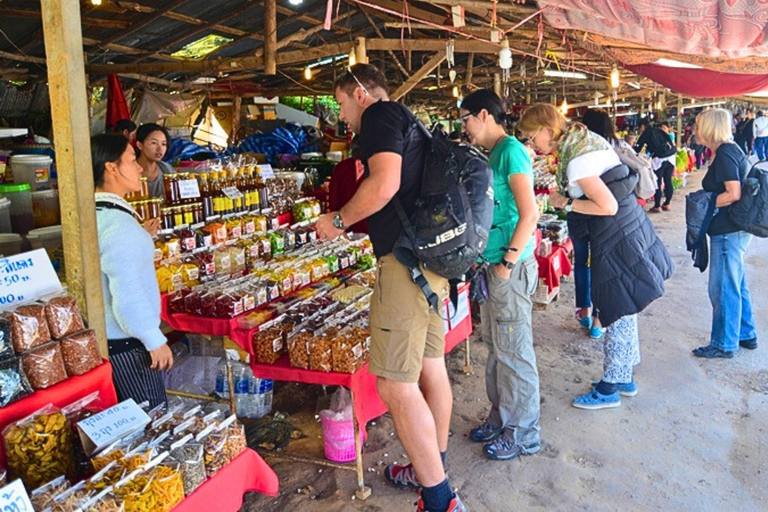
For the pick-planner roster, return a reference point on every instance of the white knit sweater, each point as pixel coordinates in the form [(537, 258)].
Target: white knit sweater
[(131, 293)]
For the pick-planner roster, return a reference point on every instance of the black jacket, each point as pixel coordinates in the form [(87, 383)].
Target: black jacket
[(699, 211), (629, 261), (657, 142)]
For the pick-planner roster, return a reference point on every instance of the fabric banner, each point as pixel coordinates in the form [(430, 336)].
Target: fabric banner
[(117, 106), (702, 83)]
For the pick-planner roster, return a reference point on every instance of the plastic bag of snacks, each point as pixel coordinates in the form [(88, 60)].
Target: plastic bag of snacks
[(268, 345), (29, 327), (44, 365), (6, 339), (112, 453), (80, 352), (189, 454), (137, 492), (13, 381), (298, 349), (235, 431), (76, 412), (213, 449), (3, 477), (320, 351), (106, 501), (70, 499), (349, 350), (39, 447), (167, 485), (43, 496), (107, 476), (63, 316)]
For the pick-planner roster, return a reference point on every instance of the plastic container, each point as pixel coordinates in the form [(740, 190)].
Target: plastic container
[(32, 169), (5, 215), (20, 195), (10, 244), (48, 238), (336, 156), (45, 208), (338, 440)]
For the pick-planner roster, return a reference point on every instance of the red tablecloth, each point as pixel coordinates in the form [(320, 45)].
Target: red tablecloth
[(62, 394), (224, 492), (556, 265)]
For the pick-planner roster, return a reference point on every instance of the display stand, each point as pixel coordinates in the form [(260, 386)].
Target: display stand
[(224, 492), (555, 265), (61, 395)]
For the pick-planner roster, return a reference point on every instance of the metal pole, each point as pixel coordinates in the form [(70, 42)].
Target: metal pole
[(679, 139), (362, 492), (71, 131)]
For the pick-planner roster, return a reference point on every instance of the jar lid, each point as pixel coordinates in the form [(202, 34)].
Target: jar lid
[(42, 194), (11, 188)]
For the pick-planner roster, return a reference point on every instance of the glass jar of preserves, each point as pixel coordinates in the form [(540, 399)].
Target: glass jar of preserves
[(189, 216), (178, 216), (144, 192), (197, 213), (153, 208), (171, 189), (167, 218)]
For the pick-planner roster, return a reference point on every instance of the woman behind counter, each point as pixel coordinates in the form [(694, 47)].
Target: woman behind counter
[(152, 142), (137, 348)]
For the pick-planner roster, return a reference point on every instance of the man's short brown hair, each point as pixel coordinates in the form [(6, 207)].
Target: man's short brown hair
[(369, 76)]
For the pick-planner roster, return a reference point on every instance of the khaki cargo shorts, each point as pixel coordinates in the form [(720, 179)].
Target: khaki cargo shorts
[(404, 329)]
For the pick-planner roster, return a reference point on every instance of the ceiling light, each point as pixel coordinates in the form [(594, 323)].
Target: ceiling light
[(564, 74), (615, 77), (295, 2), (455, 91), (564, 107), (96, 2), (505, 56), (308, 73)]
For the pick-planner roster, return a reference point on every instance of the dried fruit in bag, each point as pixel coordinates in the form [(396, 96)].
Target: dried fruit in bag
[(80, 352), (43, 496), (44, 366), (6, 340), (29, 327), (63, 316)]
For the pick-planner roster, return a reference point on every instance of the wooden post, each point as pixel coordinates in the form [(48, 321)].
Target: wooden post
[(361, 55), (470, 70), (418, 76), (497, 84), (270, 36), (679, 138), (236, 104), (69, 111)]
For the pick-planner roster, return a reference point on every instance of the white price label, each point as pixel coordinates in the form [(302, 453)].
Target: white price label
[(266, 171), (188, 189), (14, 497), (232, 192), (25, 277), (106, 427)]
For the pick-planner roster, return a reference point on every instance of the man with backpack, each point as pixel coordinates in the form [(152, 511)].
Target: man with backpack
[(407, 336), (663, 152)]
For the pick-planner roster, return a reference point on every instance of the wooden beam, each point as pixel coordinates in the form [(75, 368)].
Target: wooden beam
[(432, 45), (135, 27), (391, 53), (270, 36), (71, 129), (480, 4), (470, 70), (35, 15), (361, 55), (474, 31), (22, 58), (421, 73)]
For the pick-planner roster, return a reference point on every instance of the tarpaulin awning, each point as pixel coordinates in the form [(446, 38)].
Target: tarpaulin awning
[(732, 28), (702, 83)]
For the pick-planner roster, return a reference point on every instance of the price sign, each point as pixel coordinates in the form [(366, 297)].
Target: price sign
[(266, 171), (25, 277), (188, 189), (14, 498), (232, 192), (106, 427), (462, 309)]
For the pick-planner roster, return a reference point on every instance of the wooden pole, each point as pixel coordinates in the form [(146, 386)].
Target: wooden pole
[(497, 84), (418, 76), (679, 138), (69, 111), (270, 36), (236, 104), (361, 56), (470, 69)]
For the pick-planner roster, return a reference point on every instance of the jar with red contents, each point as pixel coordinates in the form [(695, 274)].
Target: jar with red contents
[(188, 239), (176, 301), (206, 263), (208, 303), (229, 304)]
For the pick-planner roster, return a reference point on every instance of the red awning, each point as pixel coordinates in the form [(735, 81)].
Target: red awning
[(702, 83)]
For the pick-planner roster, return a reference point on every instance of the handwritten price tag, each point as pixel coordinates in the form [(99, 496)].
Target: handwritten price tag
[(106, 427), (25, 277), (188, 189), (232, 192), (14, 498), (266, 171)]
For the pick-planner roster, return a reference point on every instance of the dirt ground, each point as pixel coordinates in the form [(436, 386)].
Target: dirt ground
[(694, 438)]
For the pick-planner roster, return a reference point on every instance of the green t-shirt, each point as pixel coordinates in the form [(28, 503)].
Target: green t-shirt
[(507, 158)]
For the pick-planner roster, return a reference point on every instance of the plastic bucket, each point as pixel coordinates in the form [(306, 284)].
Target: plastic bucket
[(10, 244), (32, 169), (45, 208), (5, 215), (338, 440), (45, 238)]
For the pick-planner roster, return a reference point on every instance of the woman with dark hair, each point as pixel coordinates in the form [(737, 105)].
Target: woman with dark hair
[(599, 121), (137, 347), (126, 128), (152, 142), (511, 376), (630, 262)]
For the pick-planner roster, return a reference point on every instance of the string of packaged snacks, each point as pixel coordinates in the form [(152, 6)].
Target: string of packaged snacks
[(152, 469)]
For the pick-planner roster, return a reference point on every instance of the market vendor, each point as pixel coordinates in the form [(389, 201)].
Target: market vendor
[(152, 142), (138, 349)]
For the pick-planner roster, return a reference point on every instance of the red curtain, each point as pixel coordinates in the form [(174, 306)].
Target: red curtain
[(702, 83), (117, 106)]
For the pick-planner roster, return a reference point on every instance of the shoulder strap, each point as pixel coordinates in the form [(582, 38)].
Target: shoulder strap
[(112, 206)]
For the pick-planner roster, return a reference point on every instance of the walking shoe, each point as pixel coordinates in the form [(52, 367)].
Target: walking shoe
[(505, 448), (402, 477), (666, 208), (625, 389), (586, 322), (749, 344), (710, 352), (596, 332), (594, 400), (485, 432), (454, 506), (655, 209)]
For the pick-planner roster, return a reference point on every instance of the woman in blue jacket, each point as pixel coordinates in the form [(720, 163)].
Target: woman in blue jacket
[(137, 347)]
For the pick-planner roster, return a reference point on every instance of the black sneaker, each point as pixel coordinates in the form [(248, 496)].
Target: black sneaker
[(749, 344), (710, 352), (505, 448), (485, 433)]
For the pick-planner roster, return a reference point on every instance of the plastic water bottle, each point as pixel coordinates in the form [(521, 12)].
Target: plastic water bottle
[(257, 399), (222, 386), (240, 375), (265, 390)]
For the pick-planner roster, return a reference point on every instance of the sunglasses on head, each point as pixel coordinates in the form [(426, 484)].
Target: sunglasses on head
[(349, 70)]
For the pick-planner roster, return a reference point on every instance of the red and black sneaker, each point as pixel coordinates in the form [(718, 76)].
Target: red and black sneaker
[(402, 477), (454, 506)]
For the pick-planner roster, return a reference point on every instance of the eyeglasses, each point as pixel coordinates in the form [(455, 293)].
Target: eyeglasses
[(463, 118), (349, 70), (530, 138)]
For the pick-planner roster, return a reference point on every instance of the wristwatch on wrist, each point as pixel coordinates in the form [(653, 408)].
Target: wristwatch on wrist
[(337, 222), (569, 205), (509, 265)]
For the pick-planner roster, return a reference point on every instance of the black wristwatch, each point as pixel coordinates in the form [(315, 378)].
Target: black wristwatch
[(509, 265), (337, 222)]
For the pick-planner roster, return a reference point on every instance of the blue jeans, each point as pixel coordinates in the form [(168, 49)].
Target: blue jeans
[(761, 147), (582, 274), (732, 319)]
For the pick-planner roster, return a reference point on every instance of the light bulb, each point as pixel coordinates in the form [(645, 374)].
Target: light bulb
[(308, 73), (352, 58), (615, 77), (505, 55), (455, 91), (295, 2), (96, 2), (564, 107)]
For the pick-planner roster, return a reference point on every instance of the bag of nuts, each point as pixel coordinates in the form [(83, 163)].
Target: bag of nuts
[(44, 365), (321, 352), (80, 352), (349, 350), (298, 348), (214, 455), (268, 344), (63, 316), (43, 496), (29, 327)]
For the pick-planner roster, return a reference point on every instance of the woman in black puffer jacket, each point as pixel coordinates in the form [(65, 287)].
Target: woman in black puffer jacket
[(629, 261)]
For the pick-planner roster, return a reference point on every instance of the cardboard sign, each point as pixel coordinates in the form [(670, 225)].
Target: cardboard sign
[(14, 497), (106, 427), (25, 277), (188, 189), (266, 171)]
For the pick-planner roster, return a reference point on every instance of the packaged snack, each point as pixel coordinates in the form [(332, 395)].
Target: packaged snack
[(213, 448), (43, 496), (268, 345), (298, 349), (167, 485), (320, 351), (3, 477), (63, 316), (75, 412), (29, 327), (13, 381), (189, 454), (349, 350), (236, 441), (223, 261), (80, 352), (137, 493), (105, 501), (44, 366), (71, 499), (237, 258), (39, 447), (6, 341)]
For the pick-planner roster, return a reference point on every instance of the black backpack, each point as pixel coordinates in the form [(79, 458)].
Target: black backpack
[(750, 213), (449, 228)]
